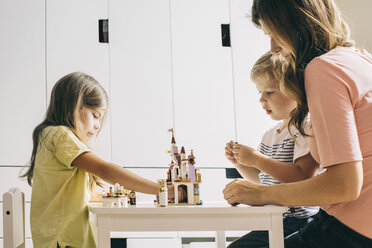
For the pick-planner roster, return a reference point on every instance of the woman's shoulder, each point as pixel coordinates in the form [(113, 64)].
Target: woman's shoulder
[(339, 57), (344, 69)]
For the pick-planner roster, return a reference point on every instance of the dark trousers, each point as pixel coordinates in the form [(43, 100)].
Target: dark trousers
[(260, 239), (328, 232)]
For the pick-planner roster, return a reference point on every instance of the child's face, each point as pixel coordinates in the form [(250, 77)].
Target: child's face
[(274, 102), (89, 123)]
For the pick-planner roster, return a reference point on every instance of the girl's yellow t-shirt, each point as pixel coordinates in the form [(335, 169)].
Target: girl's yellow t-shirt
[(60, 192)]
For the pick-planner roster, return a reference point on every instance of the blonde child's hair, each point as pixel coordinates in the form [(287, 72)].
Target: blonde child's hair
[(69, 94), (270, 66), (307, 28)]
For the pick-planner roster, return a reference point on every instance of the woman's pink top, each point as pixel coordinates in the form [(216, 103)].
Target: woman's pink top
[(339, 93)]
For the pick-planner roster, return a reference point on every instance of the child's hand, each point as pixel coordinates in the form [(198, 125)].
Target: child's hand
[(244, 154), (229, 152)]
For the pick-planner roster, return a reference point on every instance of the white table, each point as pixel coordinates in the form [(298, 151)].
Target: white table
[(217, 217)]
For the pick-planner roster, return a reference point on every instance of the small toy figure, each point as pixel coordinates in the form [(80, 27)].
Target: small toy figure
[(163, 193), (116, 198), (132, 198)]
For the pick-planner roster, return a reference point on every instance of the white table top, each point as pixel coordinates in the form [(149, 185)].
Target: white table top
[(206, 208)]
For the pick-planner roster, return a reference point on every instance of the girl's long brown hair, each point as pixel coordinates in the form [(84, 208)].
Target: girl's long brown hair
[(69, 94), (309, 28)]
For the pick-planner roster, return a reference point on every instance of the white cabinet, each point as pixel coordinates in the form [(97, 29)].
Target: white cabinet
[(22, 77), (202, 79), (248, 44), (164, 67), (141, 81), (72, 44), (168, 69)]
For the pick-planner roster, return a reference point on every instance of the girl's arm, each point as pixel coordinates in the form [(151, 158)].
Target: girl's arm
[(304, 167), (113, 173), (339, 183)]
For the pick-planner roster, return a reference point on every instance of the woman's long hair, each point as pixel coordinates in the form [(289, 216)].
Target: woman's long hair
[(308, 28), (69, 94)]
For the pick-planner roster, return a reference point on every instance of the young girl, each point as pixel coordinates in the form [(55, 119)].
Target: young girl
[(63, 169), (331, 80), (279, 158)]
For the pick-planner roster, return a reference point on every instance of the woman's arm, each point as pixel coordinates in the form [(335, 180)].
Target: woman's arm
[(339, 183), (304, 167), (113, 173)]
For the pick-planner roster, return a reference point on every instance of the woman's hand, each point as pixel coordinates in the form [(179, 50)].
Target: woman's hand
[(245, 192), (245, 155)]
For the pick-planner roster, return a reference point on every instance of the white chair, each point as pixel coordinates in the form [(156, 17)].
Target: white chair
[(14, 218)]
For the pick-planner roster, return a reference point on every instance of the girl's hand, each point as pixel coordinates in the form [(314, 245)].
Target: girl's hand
[(245, 192), (229, 152), (245, 155)]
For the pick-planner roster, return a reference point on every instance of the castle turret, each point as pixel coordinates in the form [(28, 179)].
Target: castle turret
[(174, 147), (191, 167), (183, 165)]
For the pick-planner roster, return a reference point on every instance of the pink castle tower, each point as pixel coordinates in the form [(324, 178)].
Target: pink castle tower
[(191, 166), (183, 165)]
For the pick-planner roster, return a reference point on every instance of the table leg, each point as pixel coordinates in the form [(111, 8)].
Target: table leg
[(220, 239), (103, 226), (276, 237)]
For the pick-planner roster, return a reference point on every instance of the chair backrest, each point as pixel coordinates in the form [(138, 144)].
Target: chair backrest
[(14, 218)]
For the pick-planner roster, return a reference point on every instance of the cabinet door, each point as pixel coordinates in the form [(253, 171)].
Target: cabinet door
[(248, 44), (22, 77), (73, 45), (141, 83), (203, 79)]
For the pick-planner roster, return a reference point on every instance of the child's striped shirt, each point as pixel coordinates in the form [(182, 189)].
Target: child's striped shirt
[(281, 147)]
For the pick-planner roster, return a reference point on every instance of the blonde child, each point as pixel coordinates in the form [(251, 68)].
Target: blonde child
[(63, 170), (279, 157)]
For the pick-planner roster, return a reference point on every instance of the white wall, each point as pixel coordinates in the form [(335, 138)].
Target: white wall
[(358, 16)]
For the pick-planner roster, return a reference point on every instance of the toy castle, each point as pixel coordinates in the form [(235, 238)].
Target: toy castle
[(183, 178)]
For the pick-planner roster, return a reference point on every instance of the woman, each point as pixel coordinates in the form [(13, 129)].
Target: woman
[(331, 80)]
